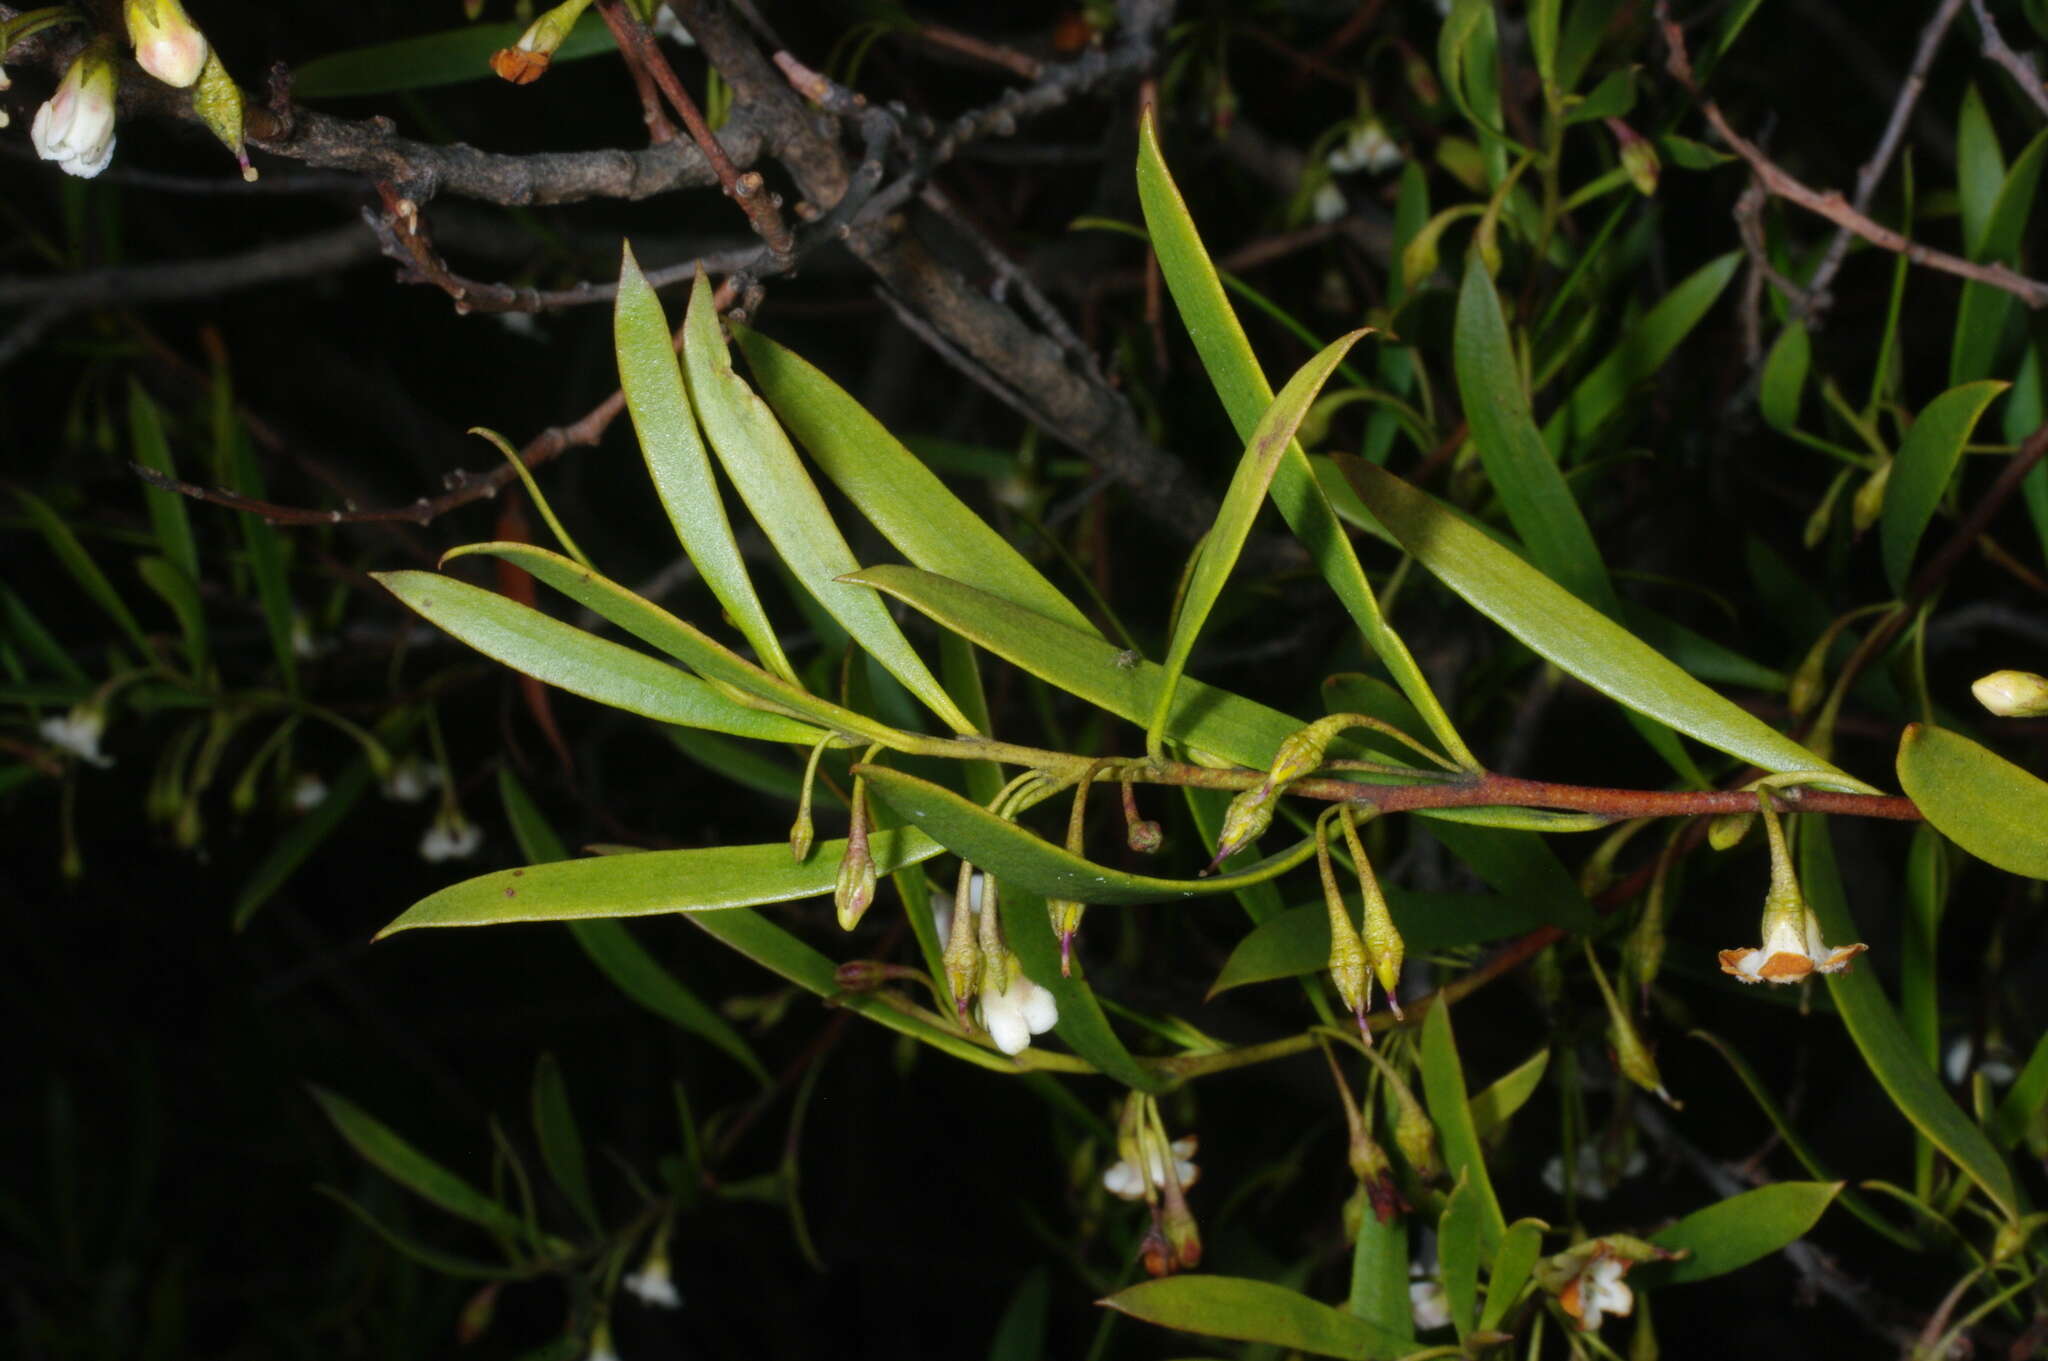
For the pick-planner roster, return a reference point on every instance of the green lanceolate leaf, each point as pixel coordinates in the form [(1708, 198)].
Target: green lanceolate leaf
[(1233, 524), (611, 947), (1457, 1246), (1735, 1232), (383, 1149), (561, 1142), (649, 883), (1519, 1248), (652, 380), (1976, 798), (1981, 318), (167, 514), (1021, 858), (1927, 459), (450, 57), (757, 456), (1565, 630), (1443, 1090), (445, 1263), (1379, 1278), (1785, 378), (1882, 1039), (1639, 354), (83, 569), (652, 624), (1227, 357), (1297, 940), (581, 663), (1256, 1311), (893, 488), (1496, 1105)]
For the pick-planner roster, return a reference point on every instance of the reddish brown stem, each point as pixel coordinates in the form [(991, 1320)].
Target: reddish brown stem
[(622, 24)]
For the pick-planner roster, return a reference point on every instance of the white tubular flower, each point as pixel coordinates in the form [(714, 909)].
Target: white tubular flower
[(2012, 694), (78, 732), (1328, 205), (1792, 948), (1428, 1305), (411, 780), (652, 1284), (309, 791), (452, 837), (1121, 1178), (75, 128), (1368, 148), (1020, 1011), (167, 43)]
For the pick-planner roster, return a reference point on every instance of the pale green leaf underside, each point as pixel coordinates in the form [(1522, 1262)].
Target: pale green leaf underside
[(1561, 628), (649, 883), (1977, 799), (763, 466), (581, 663), (1016, 855)]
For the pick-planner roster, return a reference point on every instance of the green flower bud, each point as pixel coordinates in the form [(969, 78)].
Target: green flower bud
[(1382, 938), (963, 949), (218, 102), (1347, 952), (2012, 694), (1869, 500), (1638, 157), (1631, 1055), (1726, 831), (1244, 822)]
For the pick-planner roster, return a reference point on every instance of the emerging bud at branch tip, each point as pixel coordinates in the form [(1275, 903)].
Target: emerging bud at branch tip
[(168, 44), (218, 101), (75, 126), (2012, 694), (528, 59)]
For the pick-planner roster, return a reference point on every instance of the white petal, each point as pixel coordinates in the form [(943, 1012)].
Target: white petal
[(652, 1285), (1121, 1179), (1429, 1305), (1328, 204), (1041, 1008), (1004, 1020)]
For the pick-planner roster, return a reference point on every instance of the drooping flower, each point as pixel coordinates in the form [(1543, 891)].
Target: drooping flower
[(1019, 1011), (1368, 148), (78, 732), (168, 44), (1792, 947), (652, 1284), (1121, 1178), (411, 779), (309, 791), (75, 126), (1428, 1304), (1592, 1179), (451, 837), (1587, 1278)]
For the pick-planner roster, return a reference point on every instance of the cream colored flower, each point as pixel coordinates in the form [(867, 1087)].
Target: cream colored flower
[(75, 127), (78, 732), (1792, 948), (451, 837), (653, 1285), (1368, 148), (167, 43), (1018, 1012), (1121, 1178)]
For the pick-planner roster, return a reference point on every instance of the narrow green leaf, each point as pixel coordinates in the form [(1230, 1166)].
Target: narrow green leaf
[(2026, 1099), (1467, 59), (757, 456), (1784, 377), (1256, 1311), (267, 555), (1226, 536), (1882, 1040), (1443, 1090), (612, 948), (449, 57), (167, 514), (1584, 27), (181, 593), (650, 883), (27, 630), (781, 953), (652, 624), (652, 380), (561, 1142), (1732, 1233), (1976, 798), (893, 488), (1519, 1248), (1926, 460), (1980, 170), (1082, 1024), (1020, 1332), (1235, 373), (1543, 24), (1497, 1104), (1564, 630), (581, 663), (742, 763), (83, 569), (1638, 355), (1018, 857), (1982, 316), (1297, 941), (1457, 1246), (1379, 1278), (1796, 1142), (383, 1149), (433, 1259)]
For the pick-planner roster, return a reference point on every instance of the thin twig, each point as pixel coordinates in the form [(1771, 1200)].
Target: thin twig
[(1017, 63), (1830, 204), (616, 18), (2019, 68)]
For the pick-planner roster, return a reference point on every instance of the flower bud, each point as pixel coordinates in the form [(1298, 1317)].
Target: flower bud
[(1631, 1055), (1244, 822), (1347, 953), (1869, 500), (2012, 694), (854, 891), (167, 43), (527, 60), (1145, 836), (1382, 938), (218, 102), (1638, 157), (1725, 832), (75, 126), (963, 951), (1066, 924)]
